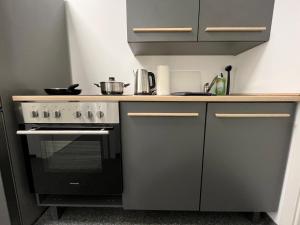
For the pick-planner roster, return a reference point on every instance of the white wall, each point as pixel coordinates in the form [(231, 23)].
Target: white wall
[(98, 46), (290, 193)]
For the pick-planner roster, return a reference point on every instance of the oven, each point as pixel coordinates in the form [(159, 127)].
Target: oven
[(71, 154)]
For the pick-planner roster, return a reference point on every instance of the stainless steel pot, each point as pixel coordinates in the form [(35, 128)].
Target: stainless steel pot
[(111, 87)]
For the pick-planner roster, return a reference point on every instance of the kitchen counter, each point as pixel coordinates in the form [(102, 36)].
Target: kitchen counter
[(276, 97)]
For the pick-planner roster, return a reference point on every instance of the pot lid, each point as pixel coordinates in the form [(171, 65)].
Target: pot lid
[(111, 80)]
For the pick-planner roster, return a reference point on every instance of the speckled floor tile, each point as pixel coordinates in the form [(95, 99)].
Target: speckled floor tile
[(101, 216)]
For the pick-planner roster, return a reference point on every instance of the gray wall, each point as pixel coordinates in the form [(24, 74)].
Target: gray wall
[(33, 55), (36, 42)]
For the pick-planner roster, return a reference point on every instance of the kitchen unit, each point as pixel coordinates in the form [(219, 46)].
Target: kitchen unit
[(201, 153), (191, 27)]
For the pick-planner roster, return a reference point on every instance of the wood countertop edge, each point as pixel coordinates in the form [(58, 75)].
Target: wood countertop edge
[(231, 98)]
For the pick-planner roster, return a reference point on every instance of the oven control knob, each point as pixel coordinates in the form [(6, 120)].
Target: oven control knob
[(46, 114), (100, 114), (57, 114), (78, 114), (90, 114), (35, 114)]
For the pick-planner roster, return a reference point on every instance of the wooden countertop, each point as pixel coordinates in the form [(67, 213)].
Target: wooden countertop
[(270, 97)]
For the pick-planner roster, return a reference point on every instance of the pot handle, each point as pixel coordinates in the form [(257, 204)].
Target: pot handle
[(73, 86), (97, 85), (152, 82), (126, 85)]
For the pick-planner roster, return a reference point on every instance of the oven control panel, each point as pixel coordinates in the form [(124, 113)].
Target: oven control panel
[(70, 112)]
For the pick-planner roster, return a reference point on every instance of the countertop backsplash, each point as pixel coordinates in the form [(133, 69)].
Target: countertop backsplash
[(97, 51), (187, 73)]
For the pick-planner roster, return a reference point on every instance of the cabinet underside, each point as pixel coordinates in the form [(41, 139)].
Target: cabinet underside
[(191, 48)]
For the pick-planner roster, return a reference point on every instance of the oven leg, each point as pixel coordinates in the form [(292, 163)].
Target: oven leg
[(56, 212)]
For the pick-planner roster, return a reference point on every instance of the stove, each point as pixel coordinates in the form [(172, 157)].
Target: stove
[(187, 93), (73, 148)]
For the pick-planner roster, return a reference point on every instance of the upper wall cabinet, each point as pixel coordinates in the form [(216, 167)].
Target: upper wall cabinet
[(235, 20), (162, 20), (195, 27)]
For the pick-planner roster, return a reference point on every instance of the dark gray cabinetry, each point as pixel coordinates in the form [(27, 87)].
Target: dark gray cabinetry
[(195, 27), (33, 55), (246, 149), (241, 20), (162, 155), (143, 15), (4, 215)]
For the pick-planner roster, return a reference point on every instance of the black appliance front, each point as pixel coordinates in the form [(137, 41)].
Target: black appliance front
[(76, 163)]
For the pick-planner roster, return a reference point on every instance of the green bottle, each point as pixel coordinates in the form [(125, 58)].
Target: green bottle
[(221, 85)]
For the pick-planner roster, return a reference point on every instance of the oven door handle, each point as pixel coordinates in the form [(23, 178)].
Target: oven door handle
[(62, 132)]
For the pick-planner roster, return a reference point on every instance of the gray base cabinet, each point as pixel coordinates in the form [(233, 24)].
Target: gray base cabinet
[(246, 149), (162, 155)]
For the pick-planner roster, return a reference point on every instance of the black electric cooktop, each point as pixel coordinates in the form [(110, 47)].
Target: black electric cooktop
[(187, 93)]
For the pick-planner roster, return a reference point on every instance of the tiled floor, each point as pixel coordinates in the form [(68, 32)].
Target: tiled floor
[(100, 216)]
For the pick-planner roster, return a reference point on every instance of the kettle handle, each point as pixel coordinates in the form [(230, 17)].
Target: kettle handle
[(152, 82)]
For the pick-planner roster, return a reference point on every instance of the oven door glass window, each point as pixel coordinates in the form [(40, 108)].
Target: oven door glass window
[(72, 153), (72, 160)]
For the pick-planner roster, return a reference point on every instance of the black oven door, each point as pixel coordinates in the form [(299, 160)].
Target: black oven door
[(75, 160)]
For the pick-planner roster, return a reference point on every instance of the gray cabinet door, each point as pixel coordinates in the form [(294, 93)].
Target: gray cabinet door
[(245, 155), (234, 14), (162, 155), (175, 14)]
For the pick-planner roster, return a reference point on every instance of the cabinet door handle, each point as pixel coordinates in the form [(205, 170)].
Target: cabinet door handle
[(235, 29), (163, 30), (134, 114), (252, 115)]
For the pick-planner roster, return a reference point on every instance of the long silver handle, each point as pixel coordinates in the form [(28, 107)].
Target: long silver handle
[(252, 115), (154, 114), (235, 29), (62, 132), (162, 29)]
